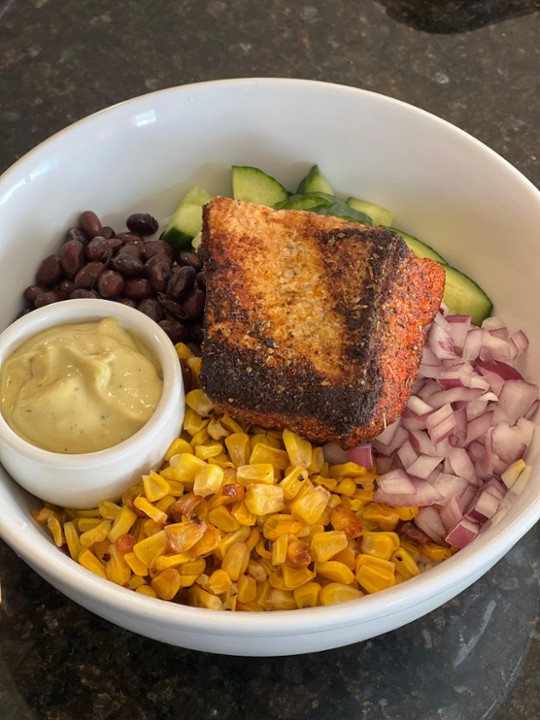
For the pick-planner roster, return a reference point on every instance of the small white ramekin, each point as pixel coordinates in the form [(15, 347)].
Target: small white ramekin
[(83, 480)]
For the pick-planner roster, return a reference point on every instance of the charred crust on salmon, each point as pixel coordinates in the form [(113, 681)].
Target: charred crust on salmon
[(312, 322)]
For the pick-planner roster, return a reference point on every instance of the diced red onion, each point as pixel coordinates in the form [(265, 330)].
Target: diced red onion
[(469, 418), (421, 442), (417, 408), (361, 455), (450, 486), (461, 464), (399, 437), (429, 520), (473, 344), (515, 399), (424, 494), (455, 394), (438, 340), (451, 513), (386, 437), (458, 327), (463, 533), (520, 341), (531, 412), (424, 465), (483, 507), (406, 454), (397, 482)]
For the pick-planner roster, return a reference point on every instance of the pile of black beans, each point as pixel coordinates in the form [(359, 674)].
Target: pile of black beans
[(128, 267)]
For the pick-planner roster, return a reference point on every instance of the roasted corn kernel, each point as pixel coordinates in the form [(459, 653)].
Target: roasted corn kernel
[(244, 518)]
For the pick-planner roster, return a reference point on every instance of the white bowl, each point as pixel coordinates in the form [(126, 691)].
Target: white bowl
[(444, 186), (82, 480)]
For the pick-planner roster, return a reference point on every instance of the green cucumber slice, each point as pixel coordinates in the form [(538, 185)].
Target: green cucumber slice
[(253, 185), (379, 215), (306, 201), (187, 219), (345, 212), (324, 204), (419, 248), (464, 297), (315, 181)]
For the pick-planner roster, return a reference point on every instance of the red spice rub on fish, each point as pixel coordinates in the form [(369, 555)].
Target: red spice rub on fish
[(312, 323)]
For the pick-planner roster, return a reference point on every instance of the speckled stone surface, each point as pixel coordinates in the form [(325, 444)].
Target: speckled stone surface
[(472, 62)]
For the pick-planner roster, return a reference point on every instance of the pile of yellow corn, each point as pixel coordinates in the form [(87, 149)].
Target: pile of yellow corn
[(242, 518)]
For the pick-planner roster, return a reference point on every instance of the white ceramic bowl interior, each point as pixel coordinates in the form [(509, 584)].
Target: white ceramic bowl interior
[(83, 480), (444, 187)]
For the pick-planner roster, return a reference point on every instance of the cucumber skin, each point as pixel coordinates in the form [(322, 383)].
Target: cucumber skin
[(419, 248), (177, 239), (260, 188), (314, 181), (183, 226), (464, 296), (378, 214), (324, 204)]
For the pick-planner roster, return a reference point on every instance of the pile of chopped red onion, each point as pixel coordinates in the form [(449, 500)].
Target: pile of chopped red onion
[(459, 446)]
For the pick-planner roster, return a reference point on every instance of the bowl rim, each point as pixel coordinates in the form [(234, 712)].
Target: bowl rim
[(301, 621)]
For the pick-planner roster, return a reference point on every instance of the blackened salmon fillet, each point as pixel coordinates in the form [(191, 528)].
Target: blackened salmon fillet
[(313, 323)]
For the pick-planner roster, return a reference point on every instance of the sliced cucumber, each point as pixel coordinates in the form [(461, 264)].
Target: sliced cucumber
[(306, 201), (464, 297), (315, 181), (253, 185), (419, 248), (342, 210), (324, 204), (379, 215), (187, 220)]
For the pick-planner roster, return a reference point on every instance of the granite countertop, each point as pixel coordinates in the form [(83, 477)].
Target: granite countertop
[(472, 62)]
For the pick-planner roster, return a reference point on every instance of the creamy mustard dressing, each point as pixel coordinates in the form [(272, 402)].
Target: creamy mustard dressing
[(79, 388)]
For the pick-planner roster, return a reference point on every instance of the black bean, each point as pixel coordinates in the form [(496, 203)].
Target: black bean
[(130, 248), (173, 308), (131, 237), (158, 273), (49, 297), (185, 257), (115, 243), (79, 293), (128, 265), (142, 223), (88, 275), (50, 271), (127, 301), (156, 247), (32, 292), (152, 308), (90, 224), (75, 233), (72, 257), (200, 281), (181, 282), (66, 286), (175, 330), (110, 284), (98, 249), (137, 288), (193, 305), (107, 232), (159, 258)]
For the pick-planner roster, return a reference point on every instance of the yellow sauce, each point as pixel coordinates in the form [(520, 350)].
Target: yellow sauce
[(79, 388)]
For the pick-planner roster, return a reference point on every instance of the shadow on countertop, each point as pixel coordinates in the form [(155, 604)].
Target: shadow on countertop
[(456, 16)]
